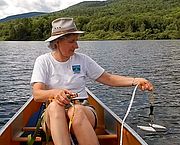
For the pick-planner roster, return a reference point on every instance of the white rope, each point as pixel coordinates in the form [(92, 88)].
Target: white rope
[(128, 110)]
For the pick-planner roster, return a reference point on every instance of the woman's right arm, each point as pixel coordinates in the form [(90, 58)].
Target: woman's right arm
[(42, 94)]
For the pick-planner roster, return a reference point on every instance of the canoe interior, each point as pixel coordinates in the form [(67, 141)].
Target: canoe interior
[(108, 127), (14, 126)]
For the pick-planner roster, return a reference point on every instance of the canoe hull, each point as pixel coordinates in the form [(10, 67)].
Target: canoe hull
[(108, 127)]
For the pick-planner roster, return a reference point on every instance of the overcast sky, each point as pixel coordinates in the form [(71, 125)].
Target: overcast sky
[(13, 7)]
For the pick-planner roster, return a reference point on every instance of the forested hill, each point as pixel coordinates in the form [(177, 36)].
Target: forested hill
[(105, 20), (24, 15)]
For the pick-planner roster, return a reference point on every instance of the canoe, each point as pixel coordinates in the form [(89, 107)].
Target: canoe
[(108, 127)]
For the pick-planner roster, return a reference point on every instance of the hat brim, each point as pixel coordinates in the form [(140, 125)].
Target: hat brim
[(58, 36)]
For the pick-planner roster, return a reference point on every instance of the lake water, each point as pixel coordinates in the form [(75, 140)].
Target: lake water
[(158, 61)]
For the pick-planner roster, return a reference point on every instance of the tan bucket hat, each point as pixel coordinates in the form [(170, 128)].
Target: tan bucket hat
[(61, 27)]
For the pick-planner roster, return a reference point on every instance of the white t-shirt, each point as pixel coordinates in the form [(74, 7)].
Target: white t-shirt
[(70, 75)]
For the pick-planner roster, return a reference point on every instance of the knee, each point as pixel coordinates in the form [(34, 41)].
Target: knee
[(54, 109), (79, 115)]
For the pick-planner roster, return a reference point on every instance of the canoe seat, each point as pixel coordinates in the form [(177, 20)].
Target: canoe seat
[(108, 139), (103, 134), (107, 136)]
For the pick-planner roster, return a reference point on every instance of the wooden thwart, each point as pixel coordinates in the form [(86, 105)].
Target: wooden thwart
[(39, 139), (30, 128), (18, 138), (25, 139)]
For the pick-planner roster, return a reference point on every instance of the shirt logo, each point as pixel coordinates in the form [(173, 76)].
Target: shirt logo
[(76, 69)]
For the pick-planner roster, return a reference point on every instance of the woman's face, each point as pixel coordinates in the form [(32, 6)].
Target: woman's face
[(68, 45)]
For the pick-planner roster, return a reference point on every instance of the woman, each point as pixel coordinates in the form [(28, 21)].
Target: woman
[(62, 73)]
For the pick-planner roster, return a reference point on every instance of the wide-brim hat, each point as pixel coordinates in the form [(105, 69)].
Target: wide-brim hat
[(61, 27)]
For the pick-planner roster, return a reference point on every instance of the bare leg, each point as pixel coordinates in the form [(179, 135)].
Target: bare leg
[(82, 125), (57, 123)]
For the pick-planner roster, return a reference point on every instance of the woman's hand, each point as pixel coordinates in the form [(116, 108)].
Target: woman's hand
[(143, 84), (42, 93), (62, 96)]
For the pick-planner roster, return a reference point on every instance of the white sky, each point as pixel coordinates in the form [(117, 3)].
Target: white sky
[(13, 7)]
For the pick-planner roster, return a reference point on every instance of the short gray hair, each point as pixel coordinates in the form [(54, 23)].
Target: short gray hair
[(52, 44)]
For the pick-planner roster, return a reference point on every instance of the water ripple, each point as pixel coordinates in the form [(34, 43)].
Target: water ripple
[(157, 61)]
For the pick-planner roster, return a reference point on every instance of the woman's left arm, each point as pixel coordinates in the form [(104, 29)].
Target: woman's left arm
[(124, 81)]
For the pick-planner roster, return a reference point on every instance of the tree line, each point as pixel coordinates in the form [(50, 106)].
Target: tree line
[(109, 20)]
